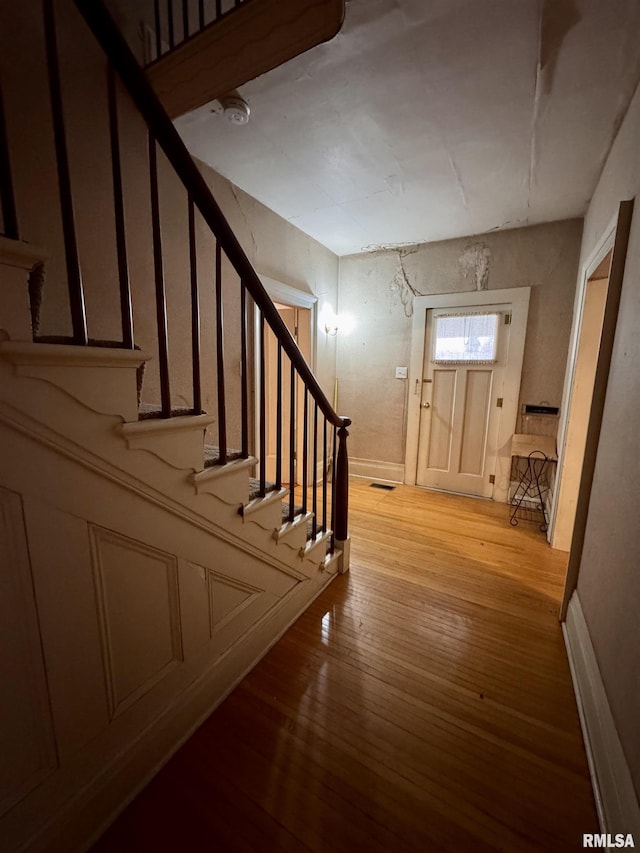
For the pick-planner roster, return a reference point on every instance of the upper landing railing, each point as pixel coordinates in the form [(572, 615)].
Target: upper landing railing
[(175, 21)]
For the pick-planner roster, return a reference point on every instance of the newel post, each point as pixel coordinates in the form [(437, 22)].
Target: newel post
[(342, 497)]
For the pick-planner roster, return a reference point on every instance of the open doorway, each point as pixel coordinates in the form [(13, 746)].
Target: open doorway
[(298, 311), (278, 385), (584, 377), (608, 265)]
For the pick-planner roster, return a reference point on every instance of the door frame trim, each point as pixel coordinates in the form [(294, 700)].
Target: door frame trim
[(287, 295), (603, 247), (518, 297), (622, 232)]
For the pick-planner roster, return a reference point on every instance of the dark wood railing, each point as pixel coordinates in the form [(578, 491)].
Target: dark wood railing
[(320, 422), (175, 22)]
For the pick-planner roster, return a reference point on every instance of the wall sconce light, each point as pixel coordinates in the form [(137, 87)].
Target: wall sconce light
[(334, 323)]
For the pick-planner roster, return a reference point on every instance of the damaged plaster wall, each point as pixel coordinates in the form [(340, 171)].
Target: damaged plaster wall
[(379, 288)]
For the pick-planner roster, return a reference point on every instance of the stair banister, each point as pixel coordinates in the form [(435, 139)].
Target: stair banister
[(120, 55)]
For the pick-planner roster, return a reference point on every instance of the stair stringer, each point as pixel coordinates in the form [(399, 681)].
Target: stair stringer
[(57, 391), (204, 608)]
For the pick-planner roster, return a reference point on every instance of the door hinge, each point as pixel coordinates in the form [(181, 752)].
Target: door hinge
[(499, 402), (492, 478), (507, 319)]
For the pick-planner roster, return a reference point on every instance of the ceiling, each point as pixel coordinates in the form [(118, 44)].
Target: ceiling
[(425, 120)]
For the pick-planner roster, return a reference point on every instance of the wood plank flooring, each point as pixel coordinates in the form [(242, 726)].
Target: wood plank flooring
[(423, 702)]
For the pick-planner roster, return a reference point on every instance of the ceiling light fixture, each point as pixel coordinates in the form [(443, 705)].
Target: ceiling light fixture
[(236, 109)]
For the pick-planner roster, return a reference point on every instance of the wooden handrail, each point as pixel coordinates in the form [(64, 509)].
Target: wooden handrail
[(123, 60)]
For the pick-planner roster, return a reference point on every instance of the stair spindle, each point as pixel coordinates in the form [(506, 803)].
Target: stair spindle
[(263, 403), (314, 475), (158, 25), (222, 411), (292, 444), (333, 487), (185, 20), (244, 403), (279, 419), (76, 290), (126, 308), (172, 39), (7, 196), (161, 300), (305, 449), (324, 476), (195, 312)]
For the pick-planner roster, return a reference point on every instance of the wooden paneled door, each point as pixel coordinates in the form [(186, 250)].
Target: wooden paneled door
[(297, 320), (462, 393)]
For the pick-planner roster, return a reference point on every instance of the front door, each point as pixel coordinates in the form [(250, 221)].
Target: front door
[(462, 390)]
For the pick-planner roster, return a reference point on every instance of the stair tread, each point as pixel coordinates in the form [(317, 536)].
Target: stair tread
[(148, 411), (212, 455)]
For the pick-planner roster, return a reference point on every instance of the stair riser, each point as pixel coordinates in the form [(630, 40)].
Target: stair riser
[(103, 380)]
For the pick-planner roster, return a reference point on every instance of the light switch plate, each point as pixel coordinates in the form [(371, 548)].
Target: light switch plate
[(401, 372)]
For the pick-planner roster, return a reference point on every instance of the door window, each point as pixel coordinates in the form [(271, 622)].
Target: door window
[(466, 338)]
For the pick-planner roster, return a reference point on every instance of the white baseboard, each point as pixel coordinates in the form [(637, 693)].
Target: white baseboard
[(377, 470), (613, 787)]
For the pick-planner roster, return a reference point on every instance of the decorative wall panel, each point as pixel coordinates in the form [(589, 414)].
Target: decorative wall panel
[(228, 598), (27, 748), (138, 603)]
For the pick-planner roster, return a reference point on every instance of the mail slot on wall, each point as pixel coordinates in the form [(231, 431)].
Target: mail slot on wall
[(539, 419), (534, 409)]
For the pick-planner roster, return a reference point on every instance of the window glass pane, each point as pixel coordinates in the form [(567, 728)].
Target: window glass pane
[(469, 337)]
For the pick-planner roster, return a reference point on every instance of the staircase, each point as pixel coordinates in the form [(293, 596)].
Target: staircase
[(147, 559)]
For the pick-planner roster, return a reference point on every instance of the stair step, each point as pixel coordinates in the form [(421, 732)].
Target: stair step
[(66, 340), (212, 455), (150, 411), (254, 488)]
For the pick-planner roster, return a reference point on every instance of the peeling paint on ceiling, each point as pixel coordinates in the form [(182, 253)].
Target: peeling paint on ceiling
[(425, 120)]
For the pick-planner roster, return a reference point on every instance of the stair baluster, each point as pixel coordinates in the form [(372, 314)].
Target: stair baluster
[(292, 444), (126, 310), (161, 299), (7, 196), (222, 405), (195, 312), (76, 290)]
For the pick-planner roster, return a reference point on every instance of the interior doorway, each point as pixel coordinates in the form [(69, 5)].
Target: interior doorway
[(298, 322), (298, 311), (584, 376), (607, 262)]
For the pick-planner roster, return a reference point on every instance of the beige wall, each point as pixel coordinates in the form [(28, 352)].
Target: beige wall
[(378, 289), (609, 580), (276, 248)]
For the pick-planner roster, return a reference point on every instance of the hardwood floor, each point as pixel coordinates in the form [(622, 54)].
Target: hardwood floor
[(423, 702)]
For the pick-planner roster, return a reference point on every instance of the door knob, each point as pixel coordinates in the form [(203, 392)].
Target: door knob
[(426, 405)]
